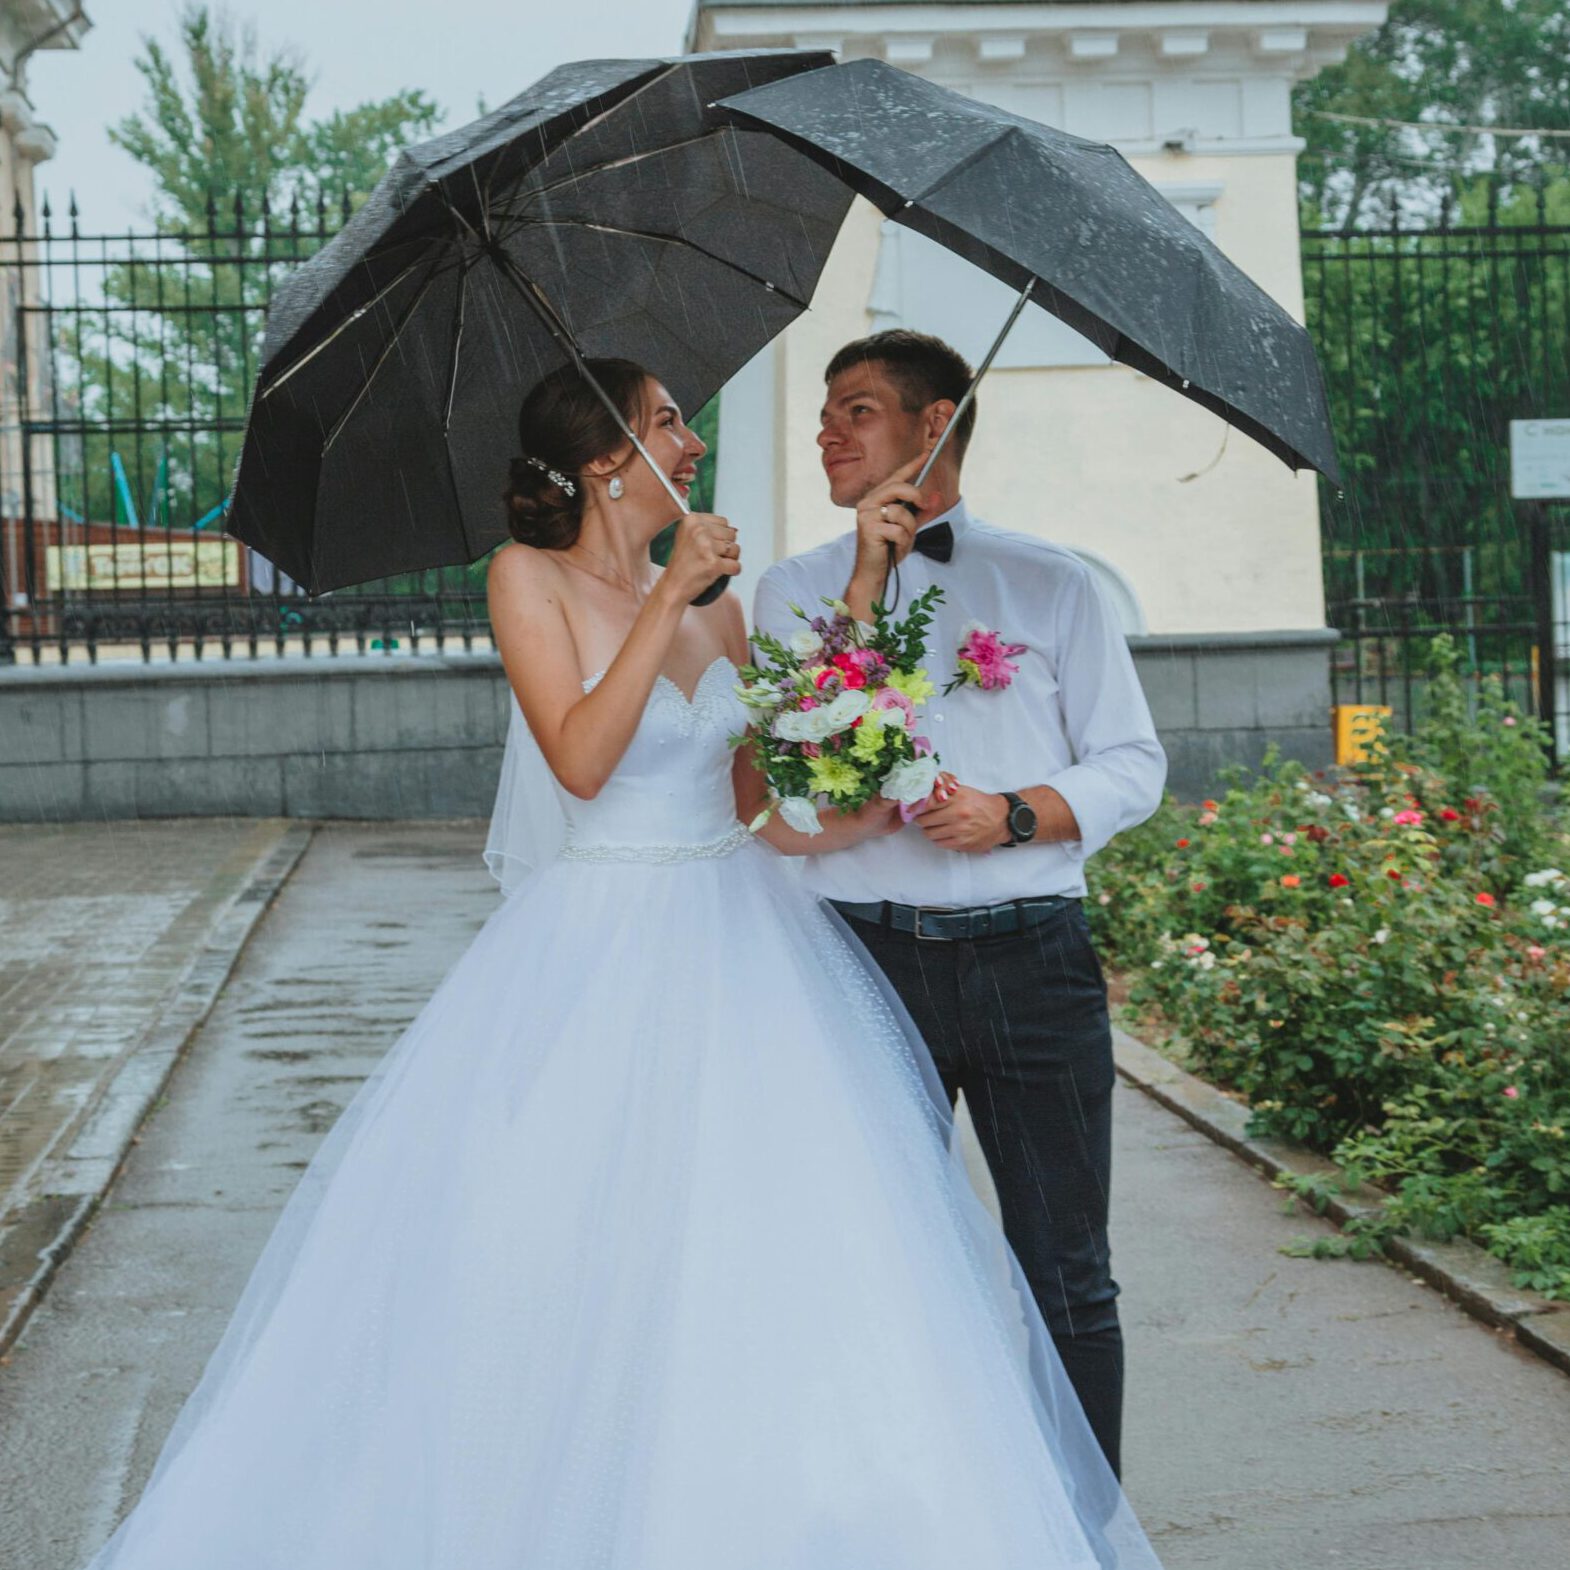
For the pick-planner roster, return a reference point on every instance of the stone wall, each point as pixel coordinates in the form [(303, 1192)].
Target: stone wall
[(388, 737)]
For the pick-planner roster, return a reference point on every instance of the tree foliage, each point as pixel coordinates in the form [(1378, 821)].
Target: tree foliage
[(234, 121), (1445, 63)]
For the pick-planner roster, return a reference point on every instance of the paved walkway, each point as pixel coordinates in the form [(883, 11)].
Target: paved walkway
[(102, 927), (1282, 1412)]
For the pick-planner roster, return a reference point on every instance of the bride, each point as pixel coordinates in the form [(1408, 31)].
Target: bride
[(645, 1247)]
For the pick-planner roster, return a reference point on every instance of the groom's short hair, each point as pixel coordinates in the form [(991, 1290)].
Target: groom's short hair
[(923, 368)]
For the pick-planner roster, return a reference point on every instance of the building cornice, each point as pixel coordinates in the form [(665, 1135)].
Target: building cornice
[(1153, 77), (1300, 36)]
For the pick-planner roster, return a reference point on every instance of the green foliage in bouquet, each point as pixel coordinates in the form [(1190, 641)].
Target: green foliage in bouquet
[(1378, 959)]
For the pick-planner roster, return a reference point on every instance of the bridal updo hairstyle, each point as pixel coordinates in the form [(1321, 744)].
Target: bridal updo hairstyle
[(563, 426)]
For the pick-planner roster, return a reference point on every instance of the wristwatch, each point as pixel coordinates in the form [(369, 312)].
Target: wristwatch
[(1021, 820)]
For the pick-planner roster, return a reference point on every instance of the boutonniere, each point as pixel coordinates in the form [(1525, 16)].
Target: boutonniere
[(985, 660)]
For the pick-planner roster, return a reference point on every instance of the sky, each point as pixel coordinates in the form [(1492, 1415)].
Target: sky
[(457, 51)]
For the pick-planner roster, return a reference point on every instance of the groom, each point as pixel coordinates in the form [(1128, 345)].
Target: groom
[(974, 910)]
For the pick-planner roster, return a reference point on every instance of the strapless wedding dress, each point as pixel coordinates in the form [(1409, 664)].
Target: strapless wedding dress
[(644, 1248)]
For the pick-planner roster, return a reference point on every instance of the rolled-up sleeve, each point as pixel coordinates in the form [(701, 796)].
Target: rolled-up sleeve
[(1119, 768)]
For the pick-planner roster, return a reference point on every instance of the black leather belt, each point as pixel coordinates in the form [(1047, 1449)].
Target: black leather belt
[(941, 924)]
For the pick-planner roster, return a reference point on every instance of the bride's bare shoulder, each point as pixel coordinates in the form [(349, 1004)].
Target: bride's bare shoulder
[(518, 570)]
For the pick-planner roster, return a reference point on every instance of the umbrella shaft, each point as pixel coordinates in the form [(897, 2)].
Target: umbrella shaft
[(970, 392), (558, 330), (953, 425), (631, 435)]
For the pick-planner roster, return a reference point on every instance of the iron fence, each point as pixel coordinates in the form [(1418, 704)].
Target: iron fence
[(1434, 335), (128, 361)]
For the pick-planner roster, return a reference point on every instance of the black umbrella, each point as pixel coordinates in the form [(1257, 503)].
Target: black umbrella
[(603, 211), (1071, 223)]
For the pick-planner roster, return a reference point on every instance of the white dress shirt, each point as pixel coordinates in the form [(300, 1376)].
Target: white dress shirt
[(1073, 718)]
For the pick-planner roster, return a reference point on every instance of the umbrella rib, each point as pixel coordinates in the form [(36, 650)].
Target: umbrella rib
[(661, 239), (457, 343), (613, 163), (381, 359), (964, 165), (343, 326), (588, 125)]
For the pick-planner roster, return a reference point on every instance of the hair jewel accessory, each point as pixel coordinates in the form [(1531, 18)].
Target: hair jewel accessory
[(555, 476)]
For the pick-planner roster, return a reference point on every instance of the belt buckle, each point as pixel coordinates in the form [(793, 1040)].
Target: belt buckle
[(926, 937)]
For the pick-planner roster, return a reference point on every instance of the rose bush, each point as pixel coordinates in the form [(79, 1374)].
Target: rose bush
[(1378, 960)]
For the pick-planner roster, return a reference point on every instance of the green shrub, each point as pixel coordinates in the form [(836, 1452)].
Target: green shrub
[(1378, 959)]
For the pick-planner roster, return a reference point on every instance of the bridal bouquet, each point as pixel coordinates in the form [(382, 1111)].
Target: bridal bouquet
[(836, 711)]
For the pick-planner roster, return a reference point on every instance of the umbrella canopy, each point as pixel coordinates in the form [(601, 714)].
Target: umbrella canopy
[(1099, 246), (605, 208)]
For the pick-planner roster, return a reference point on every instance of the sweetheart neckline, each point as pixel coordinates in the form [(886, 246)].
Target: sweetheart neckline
[(697, 691)]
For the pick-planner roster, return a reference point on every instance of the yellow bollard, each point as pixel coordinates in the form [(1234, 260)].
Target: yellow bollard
[(1357, 727)]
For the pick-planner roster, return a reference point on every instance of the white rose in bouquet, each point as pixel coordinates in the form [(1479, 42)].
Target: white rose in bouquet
[(910, 780), (804, 725), (804, 644), (845, 710)]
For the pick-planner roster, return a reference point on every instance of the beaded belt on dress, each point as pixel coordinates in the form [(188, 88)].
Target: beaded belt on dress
[(723, 846)]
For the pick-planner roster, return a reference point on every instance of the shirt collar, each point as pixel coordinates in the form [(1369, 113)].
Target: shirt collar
[(957, 518)]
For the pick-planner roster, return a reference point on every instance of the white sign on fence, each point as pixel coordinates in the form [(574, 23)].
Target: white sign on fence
[(1539, 459)]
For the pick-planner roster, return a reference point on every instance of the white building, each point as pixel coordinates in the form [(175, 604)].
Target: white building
[(26, 26), (1210, 545)]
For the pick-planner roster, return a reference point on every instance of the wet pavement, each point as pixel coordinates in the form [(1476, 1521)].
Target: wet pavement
[(101, 925), (1282, 1412)]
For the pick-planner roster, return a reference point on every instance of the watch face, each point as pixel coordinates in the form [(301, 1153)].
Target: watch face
[(1022, 821)]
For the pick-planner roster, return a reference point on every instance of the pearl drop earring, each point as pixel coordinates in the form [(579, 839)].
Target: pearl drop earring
[(616, 487)]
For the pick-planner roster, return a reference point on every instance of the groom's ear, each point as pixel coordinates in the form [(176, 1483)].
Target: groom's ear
[(938, 416)]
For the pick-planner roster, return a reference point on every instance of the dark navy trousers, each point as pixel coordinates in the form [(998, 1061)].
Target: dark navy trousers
[(1020, 1024)]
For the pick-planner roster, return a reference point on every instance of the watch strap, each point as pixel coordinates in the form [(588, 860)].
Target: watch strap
[(1014, 799)]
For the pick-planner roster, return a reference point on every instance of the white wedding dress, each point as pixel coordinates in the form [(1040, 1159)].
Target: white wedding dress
[(643, 1249)]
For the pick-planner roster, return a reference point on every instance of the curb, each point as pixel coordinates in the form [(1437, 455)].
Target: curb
[(76, 1181), (1470, 1277)]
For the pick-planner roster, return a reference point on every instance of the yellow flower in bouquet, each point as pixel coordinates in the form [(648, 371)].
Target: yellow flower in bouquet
[(833, 776), (913, 684)]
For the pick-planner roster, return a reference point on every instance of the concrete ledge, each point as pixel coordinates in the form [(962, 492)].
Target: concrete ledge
[(41, 1234), (398, 736), (1472, 1278)]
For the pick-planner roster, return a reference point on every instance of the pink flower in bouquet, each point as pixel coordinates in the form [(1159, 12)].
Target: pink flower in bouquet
[(1409, 818), (893, 698), (851, 670)]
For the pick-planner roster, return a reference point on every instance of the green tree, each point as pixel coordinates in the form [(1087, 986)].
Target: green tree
[(1441, 62), (234, 122)]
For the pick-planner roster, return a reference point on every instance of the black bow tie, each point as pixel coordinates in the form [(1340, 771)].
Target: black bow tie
[(936, 542)]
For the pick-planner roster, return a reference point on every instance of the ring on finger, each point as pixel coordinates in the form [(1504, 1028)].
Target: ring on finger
[(883, 512)]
